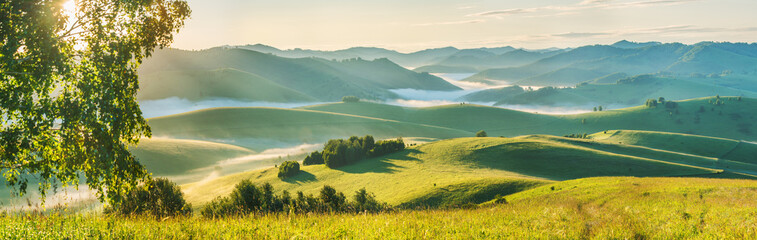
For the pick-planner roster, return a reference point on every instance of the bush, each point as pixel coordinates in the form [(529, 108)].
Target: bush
[(481, 133), (289, 169), (160, 198), (332, 200), (246, 198), (313, 159), (350, 99)]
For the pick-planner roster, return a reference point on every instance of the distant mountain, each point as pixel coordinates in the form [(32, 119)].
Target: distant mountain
[(674, 59), (626, 44), (485, 60), (624, 92), (413, 59), (250, 75)]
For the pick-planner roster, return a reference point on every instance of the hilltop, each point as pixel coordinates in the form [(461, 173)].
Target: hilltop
[(248, 75), (457, 171)]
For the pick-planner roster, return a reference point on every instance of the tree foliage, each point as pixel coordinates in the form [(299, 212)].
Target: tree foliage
[(289, 169), (350, 99), (340, 152), (68, 89), (481, 133), (161, 198), (246, 198)]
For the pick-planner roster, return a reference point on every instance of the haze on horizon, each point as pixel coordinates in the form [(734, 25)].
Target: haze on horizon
[(415, 25)]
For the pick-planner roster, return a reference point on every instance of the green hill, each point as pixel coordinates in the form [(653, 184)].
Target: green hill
[(321, 79), (221, 83), (441, 173), (182, 159), (258, 128), (733, 119)]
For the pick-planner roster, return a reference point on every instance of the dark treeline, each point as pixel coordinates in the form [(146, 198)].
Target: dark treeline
[(246, 198), (340, 152)]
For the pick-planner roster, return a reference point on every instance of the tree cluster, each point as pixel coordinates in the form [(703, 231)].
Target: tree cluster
[(350, 99), (288, 169), (579, 135), (341, 152), (651, 103), (161, 198), (481, 133), (246, 198)]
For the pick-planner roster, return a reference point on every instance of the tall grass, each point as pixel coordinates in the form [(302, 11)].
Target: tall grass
[(595, 208)]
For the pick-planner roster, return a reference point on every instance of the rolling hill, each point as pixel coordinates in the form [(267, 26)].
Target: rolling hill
[(457, 171), (202, 74), (633, 59), (261, 128), (626, 91)]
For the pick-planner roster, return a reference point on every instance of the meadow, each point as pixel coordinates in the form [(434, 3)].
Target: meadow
[(589, 208)]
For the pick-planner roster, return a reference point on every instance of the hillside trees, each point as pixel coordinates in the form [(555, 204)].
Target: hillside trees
[(289, 169), (161, 198), (350, 99), (481, 133), (247, 198), (340, 152), (68, 84)]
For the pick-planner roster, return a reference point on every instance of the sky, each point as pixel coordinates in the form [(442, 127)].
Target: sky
[(412, 25)]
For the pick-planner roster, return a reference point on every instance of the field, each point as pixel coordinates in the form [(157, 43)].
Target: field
[(590, 208)]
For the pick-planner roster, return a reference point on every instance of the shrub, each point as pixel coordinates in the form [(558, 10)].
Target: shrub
[(289, 169), (246, 197), (481, 133), (364, 201), (313, 159), (160, 198), (350, 99), (651, 103), (332, 200)]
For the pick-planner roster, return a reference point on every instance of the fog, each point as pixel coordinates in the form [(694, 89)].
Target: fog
[(175, 105)]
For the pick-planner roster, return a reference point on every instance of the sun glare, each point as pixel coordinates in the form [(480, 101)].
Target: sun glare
[(69, 7)]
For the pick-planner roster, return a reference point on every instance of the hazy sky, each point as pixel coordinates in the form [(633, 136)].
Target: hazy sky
[(410, 25)]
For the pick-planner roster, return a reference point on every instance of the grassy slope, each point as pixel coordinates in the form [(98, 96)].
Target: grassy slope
[(220, 83), (593, 208), (434, 173), (244, 126), (735, 122), (176, 157)]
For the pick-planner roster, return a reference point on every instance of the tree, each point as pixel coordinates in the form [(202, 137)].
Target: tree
[(289, 169), (161, 198), (68, 90), (313, 159), (595, 109), (481, 133), (350, 99), (599, 108)]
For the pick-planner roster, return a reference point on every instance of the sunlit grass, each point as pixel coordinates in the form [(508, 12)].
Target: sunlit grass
[(593, 208)]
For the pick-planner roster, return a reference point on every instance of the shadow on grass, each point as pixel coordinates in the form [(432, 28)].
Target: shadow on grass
[(381, 164), (302, 177)]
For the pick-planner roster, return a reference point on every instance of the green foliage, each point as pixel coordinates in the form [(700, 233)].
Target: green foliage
[(651, 103), (247, 198), (350, 99), (288, 169), (314, 158), (161, 198), (580, 135), (481, 133), (341, 152), (68, 88)]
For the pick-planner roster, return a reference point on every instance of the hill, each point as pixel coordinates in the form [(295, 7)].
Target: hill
[(493, 165), (183, 160), (219, 83), (320, 79), (261, 128), (627, 91), (486, 60), (672, 59), (732, 119)]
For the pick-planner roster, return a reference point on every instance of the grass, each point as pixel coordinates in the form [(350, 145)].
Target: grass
[(732, 120), (442, 173), (255, 127), (592, 208), (177, 158)]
